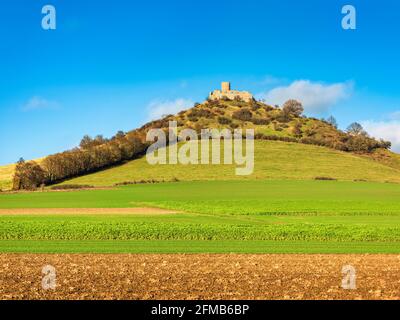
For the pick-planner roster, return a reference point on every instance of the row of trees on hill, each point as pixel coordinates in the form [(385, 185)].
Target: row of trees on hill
[(92, 155), (355, 139)]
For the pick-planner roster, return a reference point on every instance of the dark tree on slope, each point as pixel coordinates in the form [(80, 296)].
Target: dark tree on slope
[(28, 175), (119, 134), (87, 142)]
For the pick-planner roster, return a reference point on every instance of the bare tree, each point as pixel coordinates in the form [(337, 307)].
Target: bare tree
[(292, 107), (356, 129), (332, 121)]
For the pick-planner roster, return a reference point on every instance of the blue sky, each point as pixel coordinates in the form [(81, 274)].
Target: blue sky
[(113, 65)]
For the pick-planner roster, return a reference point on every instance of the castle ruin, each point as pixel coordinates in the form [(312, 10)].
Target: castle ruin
[(227, 93)]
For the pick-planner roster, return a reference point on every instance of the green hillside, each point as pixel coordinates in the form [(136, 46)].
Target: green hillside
[(288, 146), (273, 160)]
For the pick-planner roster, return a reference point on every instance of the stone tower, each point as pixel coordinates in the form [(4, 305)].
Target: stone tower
[(227, 93), (226, 87)]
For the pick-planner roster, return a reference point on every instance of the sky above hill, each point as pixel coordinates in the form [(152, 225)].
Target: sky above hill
[(113, 65)]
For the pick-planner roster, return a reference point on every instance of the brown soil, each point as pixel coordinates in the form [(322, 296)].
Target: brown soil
[(84, 211), (122, 276)]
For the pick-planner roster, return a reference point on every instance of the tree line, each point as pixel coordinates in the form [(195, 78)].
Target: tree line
[(91, 155)]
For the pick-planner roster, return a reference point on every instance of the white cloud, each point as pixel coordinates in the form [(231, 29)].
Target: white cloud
[(386, 130), (158, 108), (315, 97), (38, 103)]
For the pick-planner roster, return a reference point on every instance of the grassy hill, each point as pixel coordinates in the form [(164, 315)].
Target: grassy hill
[(6, 173), (273, 160), (288, 146)]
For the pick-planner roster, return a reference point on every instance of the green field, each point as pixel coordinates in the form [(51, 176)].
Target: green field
[(228, 197), (216, 216), (273, 160), (193, 246)]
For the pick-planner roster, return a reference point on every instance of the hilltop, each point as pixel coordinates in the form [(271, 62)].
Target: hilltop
[(288, 146), (269, 123)]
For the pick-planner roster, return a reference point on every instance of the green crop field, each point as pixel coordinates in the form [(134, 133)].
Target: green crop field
[(228, 197), (256, 216)]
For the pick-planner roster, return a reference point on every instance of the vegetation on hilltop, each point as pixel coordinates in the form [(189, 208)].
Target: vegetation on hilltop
[(270, 123)]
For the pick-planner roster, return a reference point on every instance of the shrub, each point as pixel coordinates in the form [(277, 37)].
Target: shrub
[(282, 117), (254, 106), (200, 113), (262, 136), (193, 119), (362, 143), (268, 108), (71, 187), (224, 120), (325, 178), (214, 103), (127, 183), (243, 114), (261, 121), (297, 129)]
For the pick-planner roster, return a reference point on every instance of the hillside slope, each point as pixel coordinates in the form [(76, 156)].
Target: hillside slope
[(6, 173), (288, 146), (273, 160)]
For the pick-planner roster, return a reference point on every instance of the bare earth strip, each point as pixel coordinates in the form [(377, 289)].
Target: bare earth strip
[(199, 276), (84, 211)]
